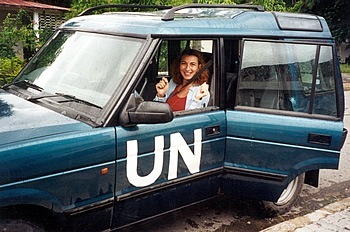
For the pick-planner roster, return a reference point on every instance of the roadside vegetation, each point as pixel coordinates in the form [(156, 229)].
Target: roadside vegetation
[(345, 68), (18, 41)]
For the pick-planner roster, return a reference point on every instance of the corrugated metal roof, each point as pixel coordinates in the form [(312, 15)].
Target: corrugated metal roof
[(27, 4)]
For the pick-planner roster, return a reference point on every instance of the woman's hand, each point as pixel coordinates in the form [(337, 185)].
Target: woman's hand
[(162, 87), (202, 92)]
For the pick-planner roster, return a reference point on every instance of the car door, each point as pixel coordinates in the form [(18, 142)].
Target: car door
[(287, 119), (161, 167)]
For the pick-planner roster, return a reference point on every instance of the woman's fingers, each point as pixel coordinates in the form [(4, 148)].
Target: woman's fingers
[(165, 80), (204, 89), (162, 87), (162, 83)]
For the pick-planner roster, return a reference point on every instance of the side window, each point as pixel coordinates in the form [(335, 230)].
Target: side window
[(324, 74), (175, 63), (325, 84), (287, 76)]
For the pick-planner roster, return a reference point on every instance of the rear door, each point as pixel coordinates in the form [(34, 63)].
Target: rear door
[(288, 116)]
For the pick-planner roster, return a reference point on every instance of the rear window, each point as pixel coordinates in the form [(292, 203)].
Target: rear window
[(288, 76)]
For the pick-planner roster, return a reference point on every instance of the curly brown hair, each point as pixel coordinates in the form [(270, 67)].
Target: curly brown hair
[(175, 70)]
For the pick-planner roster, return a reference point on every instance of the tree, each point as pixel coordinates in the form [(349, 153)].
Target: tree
[(62, 3), (15, 31), (272, 5), (335, 12), (80, 5)]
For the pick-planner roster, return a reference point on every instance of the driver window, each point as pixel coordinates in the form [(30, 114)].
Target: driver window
[(180, 74)]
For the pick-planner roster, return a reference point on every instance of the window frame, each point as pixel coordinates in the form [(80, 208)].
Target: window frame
[(213, 76), (309, 114)]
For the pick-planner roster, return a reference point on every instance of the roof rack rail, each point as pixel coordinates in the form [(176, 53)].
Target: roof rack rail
[(171, 13), (131, 6)]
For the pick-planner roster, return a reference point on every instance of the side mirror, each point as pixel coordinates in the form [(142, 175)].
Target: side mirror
[(145, 112), (150, 112)]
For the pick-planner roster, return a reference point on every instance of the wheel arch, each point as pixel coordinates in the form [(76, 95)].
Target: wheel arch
[(29, 198), (35, 214), (311, 168)]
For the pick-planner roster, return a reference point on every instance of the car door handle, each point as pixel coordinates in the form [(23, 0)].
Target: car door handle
[(212, 130), (320, 139)]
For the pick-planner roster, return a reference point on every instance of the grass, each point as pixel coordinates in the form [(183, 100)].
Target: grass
[(345, 68)]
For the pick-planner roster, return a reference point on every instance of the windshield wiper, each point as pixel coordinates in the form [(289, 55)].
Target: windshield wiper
[(73, 98), (69, 98), (24, 84)]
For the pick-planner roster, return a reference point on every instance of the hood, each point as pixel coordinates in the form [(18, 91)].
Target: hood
[(22, 120)]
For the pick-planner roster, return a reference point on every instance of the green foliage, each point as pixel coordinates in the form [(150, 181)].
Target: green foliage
[(6, 51), (19, 28), (15, 31), (335, 12), (80, 5), (272, 5), (9, 69), (217, 1), (44, 35), (345, 68), (296, 8)]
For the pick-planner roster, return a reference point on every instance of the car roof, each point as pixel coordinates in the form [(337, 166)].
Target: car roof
[(203, 20)]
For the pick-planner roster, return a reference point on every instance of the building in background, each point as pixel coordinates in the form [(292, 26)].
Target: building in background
[(44, 16)]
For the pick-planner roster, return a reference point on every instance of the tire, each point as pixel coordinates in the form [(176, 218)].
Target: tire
[(19, 225), (287, 199)]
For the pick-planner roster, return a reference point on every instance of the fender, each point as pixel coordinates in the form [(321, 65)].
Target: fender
[(28, 196)]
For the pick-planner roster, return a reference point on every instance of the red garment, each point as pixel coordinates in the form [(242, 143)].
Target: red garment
[(176, 103)]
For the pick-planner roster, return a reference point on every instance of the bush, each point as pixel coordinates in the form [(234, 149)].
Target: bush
[(9, 69), (15, 31), (345, 68), (6, 51)]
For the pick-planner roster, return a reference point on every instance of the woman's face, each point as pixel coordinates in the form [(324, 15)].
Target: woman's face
[(188, 66)]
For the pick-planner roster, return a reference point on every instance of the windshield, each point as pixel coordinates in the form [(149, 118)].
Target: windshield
[(87, 66)]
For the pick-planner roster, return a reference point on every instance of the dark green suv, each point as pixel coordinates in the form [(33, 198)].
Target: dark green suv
[(86, 145)]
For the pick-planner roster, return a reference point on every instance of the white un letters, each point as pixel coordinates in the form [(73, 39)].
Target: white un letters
[(178, 146)]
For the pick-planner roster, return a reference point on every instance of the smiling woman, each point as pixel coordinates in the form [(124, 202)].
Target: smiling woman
[(188, 89)]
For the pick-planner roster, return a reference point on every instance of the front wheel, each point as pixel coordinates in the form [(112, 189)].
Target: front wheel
[(287, 198)]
